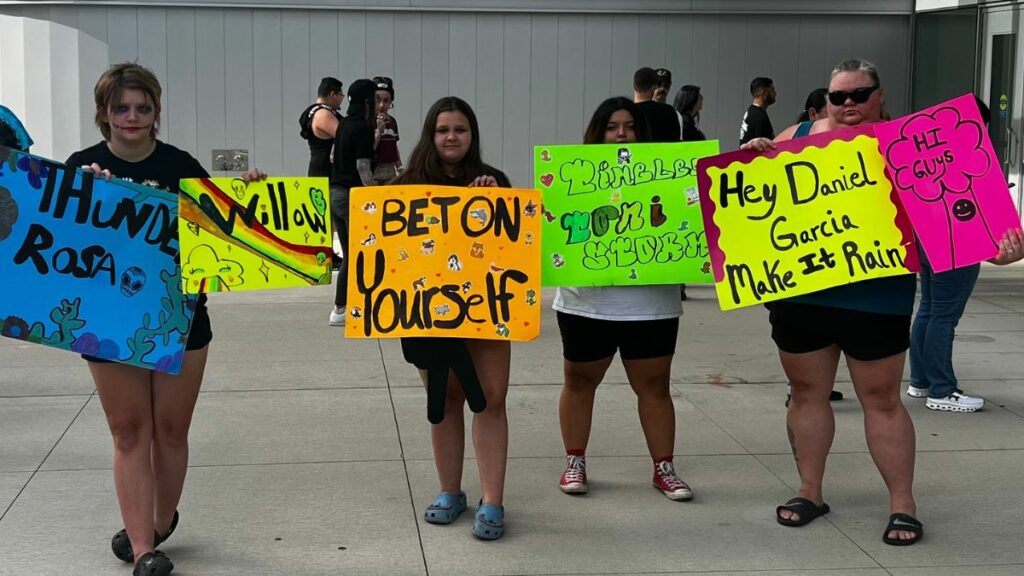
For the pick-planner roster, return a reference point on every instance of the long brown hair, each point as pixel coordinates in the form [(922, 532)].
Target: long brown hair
[(599, 121), (425, 167)]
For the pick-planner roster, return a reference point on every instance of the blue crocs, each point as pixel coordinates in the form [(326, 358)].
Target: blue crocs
[(490, 521), (445, 508)]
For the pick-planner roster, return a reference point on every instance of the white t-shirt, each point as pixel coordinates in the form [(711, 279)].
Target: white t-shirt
[(620, 302)]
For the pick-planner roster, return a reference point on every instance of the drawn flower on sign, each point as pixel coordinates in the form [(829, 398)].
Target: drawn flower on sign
[(204, 264), (15, 327), (36, 171), (938, 153)]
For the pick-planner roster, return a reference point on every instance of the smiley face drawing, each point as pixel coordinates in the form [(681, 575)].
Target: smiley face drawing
[(963, 210)]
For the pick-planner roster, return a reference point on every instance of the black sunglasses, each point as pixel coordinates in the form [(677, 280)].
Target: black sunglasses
[(859, 96)]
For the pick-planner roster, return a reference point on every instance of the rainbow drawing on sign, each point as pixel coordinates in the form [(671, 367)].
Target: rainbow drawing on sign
[(275, 233)]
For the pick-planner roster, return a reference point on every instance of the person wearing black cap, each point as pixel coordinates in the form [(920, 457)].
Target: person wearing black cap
[(756, 123), (661, 118), (353, 158), (663, 86), (318, 125), (388, 160)]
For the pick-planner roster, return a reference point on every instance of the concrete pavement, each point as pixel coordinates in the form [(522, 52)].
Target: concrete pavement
[(311, 456)]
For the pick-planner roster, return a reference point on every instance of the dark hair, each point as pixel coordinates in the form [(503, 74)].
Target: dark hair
[(361, 95), (386, 84), (815, 101), (986, 114), (114, 81), (599, 121), (760, 83), (645, 79), (424, 165), (686, 99), (328, 85)]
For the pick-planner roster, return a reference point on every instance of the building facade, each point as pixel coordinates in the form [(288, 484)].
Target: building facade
[(236, 75)]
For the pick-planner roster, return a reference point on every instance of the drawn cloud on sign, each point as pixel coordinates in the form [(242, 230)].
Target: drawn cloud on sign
[(951, 158), (204, 264)]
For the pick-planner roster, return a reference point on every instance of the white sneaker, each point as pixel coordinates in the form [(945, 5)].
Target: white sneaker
[(338, 316), (915, 392), (956, 402)]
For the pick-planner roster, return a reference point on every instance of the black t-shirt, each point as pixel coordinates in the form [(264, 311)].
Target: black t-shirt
[(354, 140), (755, 125), (662, 120), (690, 131), (161, 169), (319, 148)]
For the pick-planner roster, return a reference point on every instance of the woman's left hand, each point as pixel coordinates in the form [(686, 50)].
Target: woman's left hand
[(484, 181), (254, 175), (1011, 247)]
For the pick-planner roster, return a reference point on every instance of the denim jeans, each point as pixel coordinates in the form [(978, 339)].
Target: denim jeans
[(339, 220), (943, 299)]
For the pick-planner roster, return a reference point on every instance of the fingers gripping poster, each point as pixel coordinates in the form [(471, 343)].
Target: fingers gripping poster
[(90, 266), (949, 179), (275, 233), (444, 261), (622, 214), (814, 213)]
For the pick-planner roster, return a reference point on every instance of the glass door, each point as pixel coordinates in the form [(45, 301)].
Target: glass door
[(1003, 88)]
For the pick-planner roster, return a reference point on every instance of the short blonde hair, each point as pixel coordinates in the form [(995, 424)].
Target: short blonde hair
[(117, 79)]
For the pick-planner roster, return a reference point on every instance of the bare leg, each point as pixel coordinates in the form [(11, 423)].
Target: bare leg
[(490, 428), (810, 420), (888, 429), (449, 437), (650, 380), (174, 400), (576, 404), (125, 393)]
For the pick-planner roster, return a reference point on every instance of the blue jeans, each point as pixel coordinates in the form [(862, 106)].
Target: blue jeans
[(943, 299)]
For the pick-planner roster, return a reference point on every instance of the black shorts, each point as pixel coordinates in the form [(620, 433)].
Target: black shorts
[(589, 339), (200, 335), (800, 328)]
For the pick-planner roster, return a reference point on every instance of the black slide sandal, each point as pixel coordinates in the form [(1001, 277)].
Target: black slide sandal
[(121, 545), (905, 523), (806, 509)]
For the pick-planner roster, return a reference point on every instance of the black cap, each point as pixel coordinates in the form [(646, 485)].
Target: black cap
[(360, 95), (664, 75), (385, 83)]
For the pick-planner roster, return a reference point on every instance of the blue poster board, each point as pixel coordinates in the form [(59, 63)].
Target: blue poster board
[(90, 266)]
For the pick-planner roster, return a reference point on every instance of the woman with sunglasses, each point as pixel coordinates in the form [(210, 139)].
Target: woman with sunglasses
[(869, 323)]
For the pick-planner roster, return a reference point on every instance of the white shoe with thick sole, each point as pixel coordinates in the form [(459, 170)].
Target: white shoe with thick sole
[(338, 316), (956, 402), (915, 392)]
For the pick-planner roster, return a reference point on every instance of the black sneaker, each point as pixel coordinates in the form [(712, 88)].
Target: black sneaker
[(154, 563)]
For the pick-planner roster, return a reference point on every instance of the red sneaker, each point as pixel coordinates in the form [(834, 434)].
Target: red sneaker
[(574, 479), (666, 480)]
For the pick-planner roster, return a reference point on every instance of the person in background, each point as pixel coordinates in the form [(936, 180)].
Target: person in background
[(318, 125), (814, 106), (944, 297), (385, 137), (661, 118), (756, 123), (688, 104), (663, 86), (353, 158)]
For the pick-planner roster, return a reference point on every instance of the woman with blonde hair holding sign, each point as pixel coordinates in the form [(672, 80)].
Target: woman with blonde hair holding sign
[(148, 412), (448, 154), (869, 323), (641, 323)]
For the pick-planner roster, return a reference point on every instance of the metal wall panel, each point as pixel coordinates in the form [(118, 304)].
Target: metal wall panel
[(238, 77)]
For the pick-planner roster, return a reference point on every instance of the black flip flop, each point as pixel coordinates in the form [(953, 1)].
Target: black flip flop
[(905, 523), (121, 545), (806, 509)]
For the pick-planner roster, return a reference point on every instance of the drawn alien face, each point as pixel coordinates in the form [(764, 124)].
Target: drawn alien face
[(964, 210), (132, 281)]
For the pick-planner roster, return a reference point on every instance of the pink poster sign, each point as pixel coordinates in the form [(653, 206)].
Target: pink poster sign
[(948, 177)]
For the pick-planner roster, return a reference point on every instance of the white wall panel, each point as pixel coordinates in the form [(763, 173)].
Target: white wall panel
[(237, 77), (211, 92)]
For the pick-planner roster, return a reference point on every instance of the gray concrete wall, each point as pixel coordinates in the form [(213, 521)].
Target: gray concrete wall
[(237, 77)]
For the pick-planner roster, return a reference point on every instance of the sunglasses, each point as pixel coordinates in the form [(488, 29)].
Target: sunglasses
[(859, 96)]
